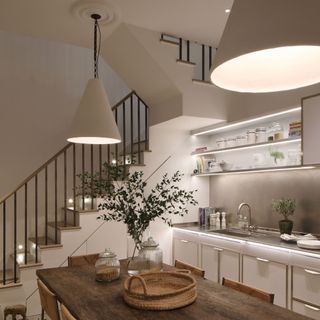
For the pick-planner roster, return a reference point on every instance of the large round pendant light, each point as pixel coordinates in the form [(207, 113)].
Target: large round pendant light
[(268, 46), (94, 121)]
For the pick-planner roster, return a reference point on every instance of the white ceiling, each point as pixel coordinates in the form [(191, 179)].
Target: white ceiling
[(198, 20)]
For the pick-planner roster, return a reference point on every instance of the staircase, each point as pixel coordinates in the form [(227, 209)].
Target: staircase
[(34, 216)]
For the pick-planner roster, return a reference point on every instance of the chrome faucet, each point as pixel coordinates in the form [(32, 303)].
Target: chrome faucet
[(244, 204)]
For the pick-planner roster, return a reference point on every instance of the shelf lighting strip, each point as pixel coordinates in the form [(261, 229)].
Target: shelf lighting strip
[(240, 123), (254, 171), (248, 147)]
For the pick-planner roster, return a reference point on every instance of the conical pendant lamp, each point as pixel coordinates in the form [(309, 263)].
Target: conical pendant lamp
[(269, 46), (94, 121)]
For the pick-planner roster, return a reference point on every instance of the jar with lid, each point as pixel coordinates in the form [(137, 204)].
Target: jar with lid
[(150, 256), (221, 143), (278, 131), (270, 133), (107, 266), (241, 140), (261, 134), (231, 142), (251, 136)]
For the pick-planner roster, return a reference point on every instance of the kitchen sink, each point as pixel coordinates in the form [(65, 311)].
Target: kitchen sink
[(242, 233)]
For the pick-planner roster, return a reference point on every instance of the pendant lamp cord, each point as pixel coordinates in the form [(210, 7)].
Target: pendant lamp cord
[(96, 45)]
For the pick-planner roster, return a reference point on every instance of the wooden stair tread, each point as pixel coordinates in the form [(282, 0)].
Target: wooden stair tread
[(70, 209), (185, 62), (169, 42), (62, 226), (204, 82), (42, 242)]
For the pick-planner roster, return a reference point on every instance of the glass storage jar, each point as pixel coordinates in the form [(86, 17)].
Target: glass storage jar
[(261, 134), (221, 143), (231, 142), (150, 256), (251, 136), (278, 131), (241, 140), (107, 267)]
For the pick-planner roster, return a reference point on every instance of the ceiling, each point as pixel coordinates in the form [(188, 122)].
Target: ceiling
[(198, 20)]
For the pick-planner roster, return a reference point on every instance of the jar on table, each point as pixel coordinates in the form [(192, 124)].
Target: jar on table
[(221, 143), (231, 142), (107, 267), (251, 136), (241, 140), (150, 256), (261, 134)]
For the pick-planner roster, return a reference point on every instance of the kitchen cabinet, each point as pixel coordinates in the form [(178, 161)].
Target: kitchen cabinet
[(306, 309), (311, 130), (186, 251), (219, 263), (306, 286), (266, 275)]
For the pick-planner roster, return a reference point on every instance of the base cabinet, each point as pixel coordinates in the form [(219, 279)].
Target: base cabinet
[(306, 309), (219, 263), (186, 251), (266, 275)]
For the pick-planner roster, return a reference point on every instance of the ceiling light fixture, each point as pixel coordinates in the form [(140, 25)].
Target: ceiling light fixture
[(267, 48), (94, 121)]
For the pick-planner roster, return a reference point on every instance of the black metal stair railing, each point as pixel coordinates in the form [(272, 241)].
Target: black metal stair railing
[(47, 199), (199, 55)]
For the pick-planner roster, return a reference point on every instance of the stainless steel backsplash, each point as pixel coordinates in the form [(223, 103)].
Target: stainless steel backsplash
[(258, 189)]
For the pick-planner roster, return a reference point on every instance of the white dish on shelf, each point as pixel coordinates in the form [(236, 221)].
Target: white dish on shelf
[(294, 238), (309, 244)]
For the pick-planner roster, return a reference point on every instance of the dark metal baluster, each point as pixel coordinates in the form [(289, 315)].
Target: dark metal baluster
[(82, 176), (91, 163), (25, 222), (146, 127), (15, 237), (55, 201), (124, 131), (74, 183), (139, 133), (161, 37), (188, 50), (180, 48), (36, 213), (46, 203), (65, 186), (100, 166), (131, 128), (116, 146), (4, 244), (203, 57), (210, 57)]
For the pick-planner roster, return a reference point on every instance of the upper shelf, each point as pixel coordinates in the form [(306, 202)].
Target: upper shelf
[(248, 146), (229, 126)]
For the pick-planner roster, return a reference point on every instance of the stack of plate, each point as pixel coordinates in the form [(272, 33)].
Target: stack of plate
[(309, 244)]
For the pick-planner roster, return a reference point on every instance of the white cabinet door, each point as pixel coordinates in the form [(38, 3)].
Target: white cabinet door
[(267, 276), (306, 309), (311, 130), (219, 263), (186, 251), (210, 262), (306, 285), (229, 265)]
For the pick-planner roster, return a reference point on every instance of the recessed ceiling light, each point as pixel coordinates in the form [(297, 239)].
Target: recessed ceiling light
[(227, 10)]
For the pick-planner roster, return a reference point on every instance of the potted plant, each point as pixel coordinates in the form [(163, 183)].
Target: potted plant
[(124, 197), (277, 156), (286, 207)]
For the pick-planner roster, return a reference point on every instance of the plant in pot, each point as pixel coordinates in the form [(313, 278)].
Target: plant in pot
[(128, 201), (277, 156), (285, 207)]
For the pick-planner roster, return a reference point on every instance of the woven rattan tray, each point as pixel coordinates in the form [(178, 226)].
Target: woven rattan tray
[(160, 290)]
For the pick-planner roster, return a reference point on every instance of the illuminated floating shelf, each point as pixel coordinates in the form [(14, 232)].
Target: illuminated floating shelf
[(254, 170), (248, 146)]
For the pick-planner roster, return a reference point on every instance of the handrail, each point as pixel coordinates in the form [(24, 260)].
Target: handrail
[(32, 175)]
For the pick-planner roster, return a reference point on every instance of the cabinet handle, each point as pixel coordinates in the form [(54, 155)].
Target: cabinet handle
[(312, 272), (218, 249), (262, 260), (184, 241), (311, 307)]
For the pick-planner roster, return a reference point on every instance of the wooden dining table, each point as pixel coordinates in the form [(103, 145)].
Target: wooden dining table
[(88, 299)]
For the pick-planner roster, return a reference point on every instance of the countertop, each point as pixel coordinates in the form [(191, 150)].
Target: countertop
[(266, 237)]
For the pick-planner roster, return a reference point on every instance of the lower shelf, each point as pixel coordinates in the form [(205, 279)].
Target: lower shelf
[(255, 170)]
